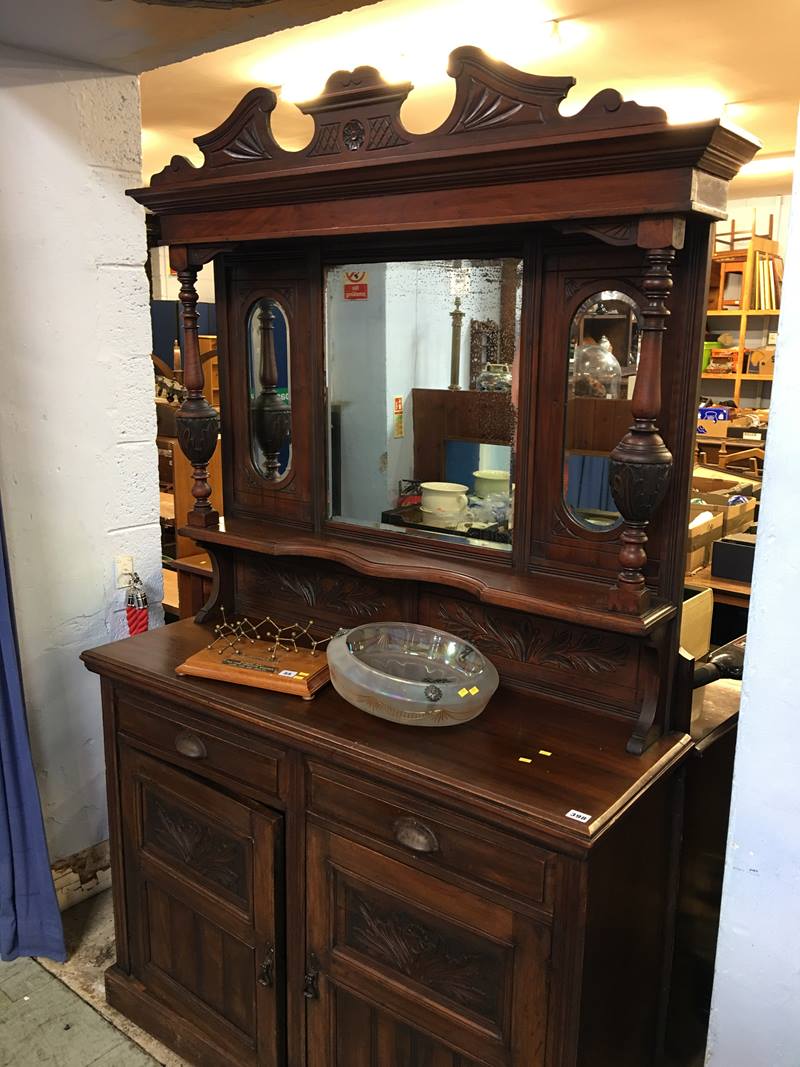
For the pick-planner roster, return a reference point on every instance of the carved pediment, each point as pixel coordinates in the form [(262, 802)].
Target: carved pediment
[(357, 116), (245, 136)]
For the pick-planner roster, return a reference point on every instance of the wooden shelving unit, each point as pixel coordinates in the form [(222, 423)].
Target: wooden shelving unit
[(749, 318)]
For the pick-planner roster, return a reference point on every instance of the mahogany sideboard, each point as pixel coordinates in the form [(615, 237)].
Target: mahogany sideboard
[(297, 883), (307, 885)]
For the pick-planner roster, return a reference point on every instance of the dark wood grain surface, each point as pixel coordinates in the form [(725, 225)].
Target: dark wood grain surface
[(552, 596), (477, 763)]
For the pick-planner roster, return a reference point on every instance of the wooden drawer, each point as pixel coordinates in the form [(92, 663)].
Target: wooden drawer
[(437, 839), (186, 741)]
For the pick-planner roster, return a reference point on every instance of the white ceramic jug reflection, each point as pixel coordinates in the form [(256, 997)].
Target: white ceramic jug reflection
[(488, 482), (444, 498)]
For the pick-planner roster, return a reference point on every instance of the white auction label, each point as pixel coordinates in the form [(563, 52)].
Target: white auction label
[(288, 674), (578, 816)]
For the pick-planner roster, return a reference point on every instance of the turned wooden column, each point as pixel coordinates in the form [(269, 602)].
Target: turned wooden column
[(197, 422), (641, 463), (457, 316), (272, 413)]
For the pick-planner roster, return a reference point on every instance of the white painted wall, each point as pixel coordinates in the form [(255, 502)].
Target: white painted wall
[(744, 211), (757, 980), (78, 468), (166, 285), (356, 369)]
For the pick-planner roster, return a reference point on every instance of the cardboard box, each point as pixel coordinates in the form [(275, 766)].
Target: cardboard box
[(709, 428), (735, 516), (756, 434), (701, 538), (696, 616), (707, 479)]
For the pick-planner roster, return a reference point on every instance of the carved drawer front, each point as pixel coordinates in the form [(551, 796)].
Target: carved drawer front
[(437, 841), (201, 888), (459, 971), (205, 750)]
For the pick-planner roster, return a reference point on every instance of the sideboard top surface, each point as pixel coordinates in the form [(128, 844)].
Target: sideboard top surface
[(477, 764)]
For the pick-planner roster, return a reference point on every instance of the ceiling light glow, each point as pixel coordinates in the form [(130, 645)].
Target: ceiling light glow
[(682, 103), (762, 166), (410, 40)]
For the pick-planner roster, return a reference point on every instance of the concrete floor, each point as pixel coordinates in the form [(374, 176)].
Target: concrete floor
[(43, 1022), (56, 1013)]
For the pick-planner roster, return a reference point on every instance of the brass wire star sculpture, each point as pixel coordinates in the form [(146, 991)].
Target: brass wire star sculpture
[(234, 635)]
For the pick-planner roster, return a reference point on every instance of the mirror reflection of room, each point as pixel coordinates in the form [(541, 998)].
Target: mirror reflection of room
[(422, 377), (270, 404), (603, 356)]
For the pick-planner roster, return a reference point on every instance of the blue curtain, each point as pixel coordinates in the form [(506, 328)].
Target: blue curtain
[(587, 483), (30, 922)]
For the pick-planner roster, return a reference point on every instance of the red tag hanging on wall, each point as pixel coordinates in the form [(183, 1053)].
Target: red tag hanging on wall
[(136, 606)]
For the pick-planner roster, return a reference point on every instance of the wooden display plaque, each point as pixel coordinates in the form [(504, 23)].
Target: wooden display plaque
[(299, 673)]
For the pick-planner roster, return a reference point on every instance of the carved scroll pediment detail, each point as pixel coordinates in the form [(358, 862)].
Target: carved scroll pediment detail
[(358, 112), (246, 135), (525, 641), (490, 95)]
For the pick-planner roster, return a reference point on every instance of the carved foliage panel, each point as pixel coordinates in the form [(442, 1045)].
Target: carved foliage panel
[(182, 836), (545, 654), (317, 590), (454, 965)]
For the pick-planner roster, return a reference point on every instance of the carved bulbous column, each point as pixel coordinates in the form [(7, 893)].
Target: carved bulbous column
[(271, 411), (197, 421), (641, 463)]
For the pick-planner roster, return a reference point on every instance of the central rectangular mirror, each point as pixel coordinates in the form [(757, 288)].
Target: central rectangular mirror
[(422, 363)]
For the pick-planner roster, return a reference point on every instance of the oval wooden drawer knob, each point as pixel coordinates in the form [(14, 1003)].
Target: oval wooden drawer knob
[(191, 746), (413, 834)]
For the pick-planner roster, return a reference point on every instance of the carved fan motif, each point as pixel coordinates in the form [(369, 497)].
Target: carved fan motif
[(486, 108), (424, 955), (248, 145), (524, 641)]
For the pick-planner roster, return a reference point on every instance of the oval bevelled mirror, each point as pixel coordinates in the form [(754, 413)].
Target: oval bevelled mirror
[(603, 355), (270, 390)]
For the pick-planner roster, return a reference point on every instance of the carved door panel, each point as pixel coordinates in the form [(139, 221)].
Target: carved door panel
[(201, 886), (405, 970)]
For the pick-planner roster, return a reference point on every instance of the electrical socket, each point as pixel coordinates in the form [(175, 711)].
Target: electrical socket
[(123, 566)]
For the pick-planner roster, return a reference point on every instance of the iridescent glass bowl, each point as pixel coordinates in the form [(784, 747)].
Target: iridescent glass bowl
[(411, 674)]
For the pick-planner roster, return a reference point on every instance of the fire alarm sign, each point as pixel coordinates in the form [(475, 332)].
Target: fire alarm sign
[(356, 285)]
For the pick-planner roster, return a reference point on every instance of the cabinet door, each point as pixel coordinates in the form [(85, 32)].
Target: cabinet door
[(200, 872), (406, 970)]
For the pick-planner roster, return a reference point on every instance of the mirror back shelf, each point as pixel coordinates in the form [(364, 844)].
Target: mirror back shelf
[(410, 414)]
